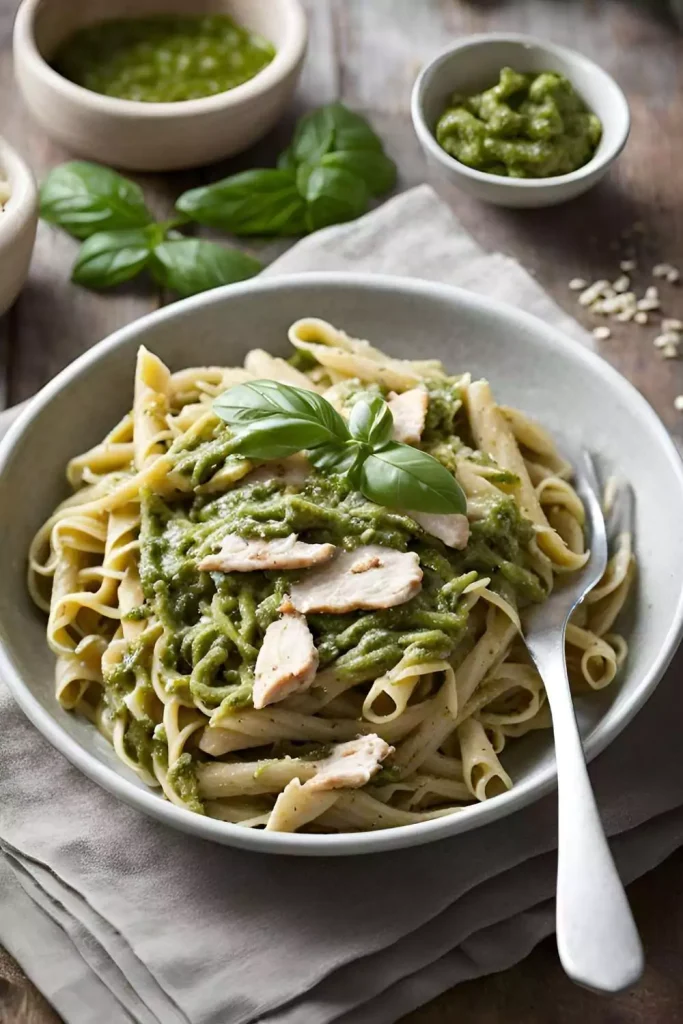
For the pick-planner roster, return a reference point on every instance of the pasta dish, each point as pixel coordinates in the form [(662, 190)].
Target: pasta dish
[(289, 593)]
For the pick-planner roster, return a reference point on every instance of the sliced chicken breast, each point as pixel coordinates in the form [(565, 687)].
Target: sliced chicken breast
[(369, 577), (287, 661), (453, 530), (409, 410), (239, 555), (292, 472), (351, 765)]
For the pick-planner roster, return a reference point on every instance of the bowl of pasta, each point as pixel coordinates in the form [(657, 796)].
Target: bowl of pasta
[(272, 596)]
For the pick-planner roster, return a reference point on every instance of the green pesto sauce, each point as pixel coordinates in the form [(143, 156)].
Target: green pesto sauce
[(164, 58), (182, 776), (215, 622), (526, 126)]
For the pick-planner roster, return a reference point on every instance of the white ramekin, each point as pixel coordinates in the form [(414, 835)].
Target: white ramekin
[(474, 63)]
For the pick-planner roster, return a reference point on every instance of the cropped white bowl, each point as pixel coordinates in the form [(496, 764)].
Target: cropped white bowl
[(473, 64), (18, 220), (530, 365), (155, 136)]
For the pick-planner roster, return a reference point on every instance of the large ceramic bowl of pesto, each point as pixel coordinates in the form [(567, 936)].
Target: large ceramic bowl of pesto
[(530, 365), (548, 140)]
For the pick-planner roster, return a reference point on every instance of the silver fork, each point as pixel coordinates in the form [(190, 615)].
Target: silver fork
[(597, 939)]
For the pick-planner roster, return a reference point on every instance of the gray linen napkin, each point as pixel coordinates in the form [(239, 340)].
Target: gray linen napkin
[(107, 910)]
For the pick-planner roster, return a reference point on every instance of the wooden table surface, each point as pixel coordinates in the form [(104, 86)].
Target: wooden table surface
[(367, 53)]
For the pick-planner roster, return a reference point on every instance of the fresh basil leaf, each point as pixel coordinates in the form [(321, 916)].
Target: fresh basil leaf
[(313, 136), (334, 196), (111, 257), (371, 421), (85, 198), (351, 130), (331, 128), (248, 406), (286, 161), (342, 460), (303, 173), (192, 265), (400, 476), (373, 167), (259, 202), (277, 437)]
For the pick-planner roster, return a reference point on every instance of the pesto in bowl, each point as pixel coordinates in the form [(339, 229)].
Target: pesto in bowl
[(525, 126), (163, 58)]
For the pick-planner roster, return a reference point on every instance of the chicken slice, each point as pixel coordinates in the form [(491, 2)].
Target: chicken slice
[(292, 472), (409, 410), (369, 577), (239, 555), (351, 765), (287, 661), (453, 529)]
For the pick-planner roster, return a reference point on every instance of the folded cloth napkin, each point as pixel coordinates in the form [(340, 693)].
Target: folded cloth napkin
[(112, 913)]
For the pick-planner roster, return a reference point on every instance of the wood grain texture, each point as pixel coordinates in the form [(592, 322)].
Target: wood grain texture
[(367, 52)]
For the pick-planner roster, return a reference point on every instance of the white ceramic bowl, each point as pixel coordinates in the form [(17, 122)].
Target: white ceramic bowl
[(155, 136), (473, 64), (529, 364), (18, 220)]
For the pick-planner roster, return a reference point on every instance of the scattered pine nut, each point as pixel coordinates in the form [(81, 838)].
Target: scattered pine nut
[(621, 284), (640, 317), (627, 266), (652, 292), (593, 292), (673, 276), (646, 305), (601, 333), (577, 284), (678, 403), (670, 352), (661, 269), (672, 324)]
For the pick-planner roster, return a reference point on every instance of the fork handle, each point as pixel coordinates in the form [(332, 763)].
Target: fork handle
[(597, 938)]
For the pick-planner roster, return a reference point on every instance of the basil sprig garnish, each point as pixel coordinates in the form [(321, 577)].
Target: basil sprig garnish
[(273, 420), (335, 164), (333, 167)]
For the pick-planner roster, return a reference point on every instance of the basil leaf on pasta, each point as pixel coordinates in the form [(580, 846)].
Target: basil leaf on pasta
[(400, 476), (371, 421), (341, 460), (263, 405)]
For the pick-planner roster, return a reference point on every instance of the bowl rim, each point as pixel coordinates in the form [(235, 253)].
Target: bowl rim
[(286, 60), (597, 162), (474, 815), (22, 204)]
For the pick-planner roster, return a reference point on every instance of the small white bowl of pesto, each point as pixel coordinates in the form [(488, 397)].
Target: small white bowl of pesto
[(517, 121), (171, 84)]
